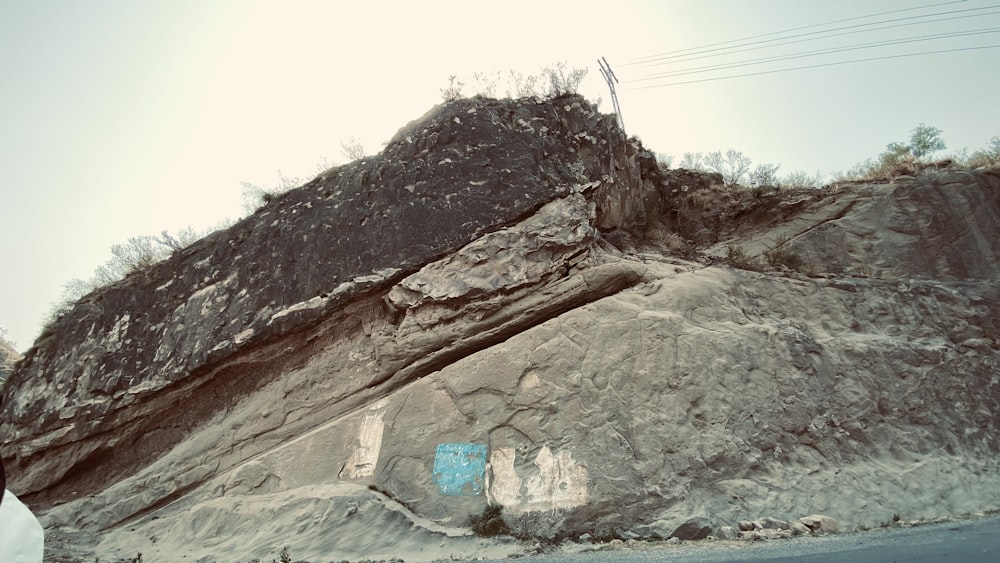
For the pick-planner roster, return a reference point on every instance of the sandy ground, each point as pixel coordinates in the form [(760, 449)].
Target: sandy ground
[(891, 538), (77, 547)]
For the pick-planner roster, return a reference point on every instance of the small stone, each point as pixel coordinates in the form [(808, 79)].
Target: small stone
[(768, 523), (746, 526), (727, 533), (799, 529), (674, 540)]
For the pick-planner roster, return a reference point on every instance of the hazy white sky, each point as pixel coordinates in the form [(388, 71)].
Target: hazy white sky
[(126, 117)]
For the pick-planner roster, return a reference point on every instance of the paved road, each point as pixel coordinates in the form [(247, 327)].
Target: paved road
[(969, 540)]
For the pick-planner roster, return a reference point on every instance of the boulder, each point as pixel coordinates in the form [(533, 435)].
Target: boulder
[(694, 529), (820, 524)]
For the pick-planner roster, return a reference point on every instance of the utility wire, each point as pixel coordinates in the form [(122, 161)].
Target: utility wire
[(819, 66), (696, 51), (832, 50), (641, 60), (735, 50)]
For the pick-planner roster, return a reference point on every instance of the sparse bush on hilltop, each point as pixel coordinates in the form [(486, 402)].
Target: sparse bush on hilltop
[(986, 156), (899, 157), (352, 149), (136, 254), (764, 175), (255, 196), (735, 168), (664, 160), (909, 158), (693, 161), (522, 85), (562, 80), (453, 91), (924, 140), (800, 179), (550, 82)]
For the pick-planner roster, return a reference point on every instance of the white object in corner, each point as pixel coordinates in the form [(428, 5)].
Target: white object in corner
[(21, 536)]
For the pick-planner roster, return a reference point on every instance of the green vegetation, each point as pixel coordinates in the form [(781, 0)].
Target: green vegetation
[(779, 256), (899, 158), (738, 257), (911, 157), (986, 156)]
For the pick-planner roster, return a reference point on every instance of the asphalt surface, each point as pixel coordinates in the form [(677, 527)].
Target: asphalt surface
[(967, 540)]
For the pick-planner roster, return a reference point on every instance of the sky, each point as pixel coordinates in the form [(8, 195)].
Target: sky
[(123, 118)]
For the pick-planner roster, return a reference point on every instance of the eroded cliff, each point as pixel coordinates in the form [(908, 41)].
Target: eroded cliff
[(489, 313)]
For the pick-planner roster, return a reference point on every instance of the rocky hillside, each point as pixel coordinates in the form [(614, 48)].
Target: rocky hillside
[(8, 357), (513, 306)]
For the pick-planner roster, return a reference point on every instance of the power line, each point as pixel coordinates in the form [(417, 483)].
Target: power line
[(705, 49), (819, 66), (641, 60), (818, 52), (894, 26)]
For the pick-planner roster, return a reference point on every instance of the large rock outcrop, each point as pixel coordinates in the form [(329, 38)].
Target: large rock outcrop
[(147, 360), (446, 326)]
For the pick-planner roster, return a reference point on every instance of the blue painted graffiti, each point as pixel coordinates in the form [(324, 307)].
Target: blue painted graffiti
[(459, 469)]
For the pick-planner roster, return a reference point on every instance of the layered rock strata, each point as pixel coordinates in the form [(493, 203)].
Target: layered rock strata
[(410, 339)]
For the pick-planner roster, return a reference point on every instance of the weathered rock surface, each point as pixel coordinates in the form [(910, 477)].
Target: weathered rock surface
[(693, 530), (434, 345), (161, 353), (8, 357), (940, 226), (820, 523)]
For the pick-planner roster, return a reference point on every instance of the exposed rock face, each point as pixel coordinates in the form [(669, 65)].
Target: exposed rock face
[(153, 356), (496, 349), (8, 357), (936, 226)]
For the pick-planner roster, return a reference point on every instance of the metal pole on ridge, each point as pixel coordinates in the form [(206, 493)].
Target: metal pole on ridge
[(611, 79)]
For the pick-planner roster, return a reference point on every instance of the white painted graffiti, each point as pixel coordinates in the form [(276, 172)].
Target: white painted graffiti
[(558, 483), (364, 457)]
